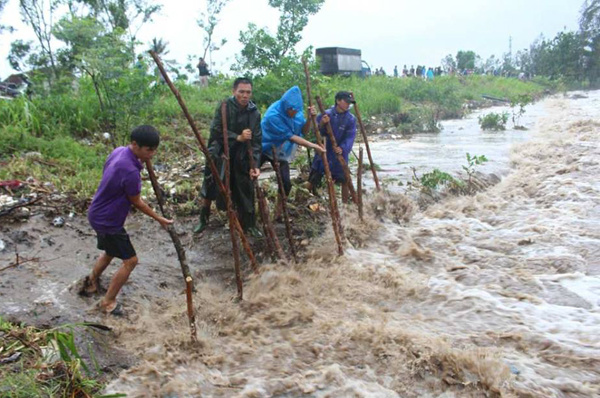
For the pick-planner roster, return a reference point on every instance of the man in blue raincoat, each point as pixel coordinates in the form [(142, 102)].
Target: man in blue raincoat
[(283, 126), (343, 124)]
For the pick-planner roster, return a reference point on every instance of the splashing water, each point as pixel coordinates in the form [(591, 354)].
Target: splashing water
[(496, 294)]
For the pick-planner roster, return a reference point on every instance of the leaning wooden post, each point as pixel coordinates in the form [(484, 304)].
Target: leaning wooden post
[(189, 282), (339, 156), (232, 231), (283, 199), (364, 135), (335, 215), (359, 183), (264, 212), (204, 149)]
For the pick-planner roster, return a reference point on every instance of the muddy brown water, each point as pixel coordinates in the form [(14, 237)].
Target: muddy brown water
[(495, 294)]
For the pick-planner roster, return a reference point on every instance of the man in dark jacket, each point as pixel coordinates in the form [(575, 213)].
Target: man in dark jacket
[(243, 126)]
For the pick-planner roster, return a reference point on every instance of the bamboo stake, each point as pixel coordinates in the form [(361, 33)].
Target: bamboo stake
[(359, 183), (232, 231), (340, 158), (283, 199), (189, 282), (335, 215), (364, 135), (263, 207), (204, 149)]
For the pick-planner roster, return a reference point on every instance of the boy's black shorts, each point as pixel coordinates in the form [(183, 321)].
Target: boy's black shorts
[(116, 245)]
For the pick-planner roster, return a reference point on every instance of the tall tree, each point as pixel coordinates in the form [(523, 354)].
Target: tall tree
[(589, 26), (39, 15), (4, 27), (122, 17), (448, 63), (262, 51), (159, 46), (465, 60), (208, 22)]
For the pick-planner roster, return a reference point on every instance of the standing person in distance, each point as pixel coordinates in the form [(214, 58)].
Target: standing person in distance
[(203, 71)]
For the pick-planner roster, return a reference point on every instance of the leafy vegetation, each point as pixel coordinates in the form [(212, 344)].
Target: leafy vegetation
[(436, 181), (44, 363), (493, 121), (472, 162)]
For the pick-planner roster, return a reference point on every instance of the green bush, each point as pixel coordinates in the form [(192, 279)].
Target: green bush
[(493, 121)]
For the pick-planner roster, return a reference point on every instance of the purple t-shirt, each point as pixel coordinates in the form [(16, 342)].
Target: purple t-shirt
[(120, 179)]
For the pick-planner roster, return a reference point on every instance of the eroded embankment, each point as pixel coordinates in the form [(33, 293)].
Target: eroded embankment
[(491, 295)]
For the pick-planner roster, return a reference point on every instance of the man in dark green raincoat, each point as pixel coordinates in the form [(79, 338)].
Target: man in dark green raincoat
[(243, 125)]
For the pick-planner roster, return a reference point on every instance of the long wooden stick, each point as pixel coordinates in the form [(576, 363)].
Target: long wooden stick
[(339, 156), (204, 149), (264, 213), (364, 135), (230, 213), (335, 215), (283, 200), (185, 269), (359, 183)]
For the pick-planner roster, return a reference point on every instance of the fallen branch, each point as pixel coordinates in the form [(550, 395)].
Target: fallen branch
[(10, 209)]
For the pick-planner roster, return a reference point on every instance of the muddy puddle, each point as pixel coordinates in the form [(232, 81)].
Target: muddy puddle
[(496, 294)]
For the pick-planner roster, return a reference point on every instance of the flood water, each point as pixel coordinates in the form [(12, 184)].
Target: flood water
[(447, 150), (496, 294)]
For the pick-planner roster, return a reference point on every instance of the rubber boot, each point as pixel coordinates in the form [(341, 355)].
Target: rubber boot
[(204, 215)]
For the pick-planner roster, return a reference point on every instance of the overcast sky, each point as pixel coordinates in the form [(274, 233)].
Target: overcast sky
[(389, 32)]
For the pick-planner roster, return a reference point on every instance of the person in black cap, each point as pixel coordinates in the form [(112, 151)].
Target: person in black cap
[(343, 124)]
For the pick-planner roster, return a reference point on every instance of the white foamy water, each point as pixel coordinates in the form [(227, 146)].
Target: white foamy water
[(495, 294)]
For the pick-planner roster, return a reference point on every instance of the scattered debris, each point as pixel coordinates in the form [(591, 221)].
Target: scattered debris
[(58, 222)]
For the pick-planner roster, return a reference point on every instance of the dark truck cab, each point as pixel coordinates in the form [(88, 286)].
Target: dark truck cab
[(342, 61)]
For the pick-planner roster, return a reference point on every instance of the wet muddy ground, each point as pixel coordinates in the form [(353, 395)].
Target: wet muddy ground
[(495, 294), (45, 264)]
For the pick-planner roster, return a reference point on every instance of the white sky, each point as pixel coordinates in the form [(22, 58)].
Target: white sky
[(389, 32)]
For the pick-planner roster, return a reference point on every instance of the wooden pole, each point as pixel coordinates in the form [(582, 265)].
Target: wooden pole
[(283, 199), (230, 212), (335, 215), (359, 183), (204, 149), (189, 283), (364, 135), (264, 213), (339, 156)]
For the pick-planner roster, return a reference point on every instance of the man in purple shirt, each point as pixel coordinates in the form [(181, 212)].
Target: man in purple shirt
[(120, 188), (343, 124)]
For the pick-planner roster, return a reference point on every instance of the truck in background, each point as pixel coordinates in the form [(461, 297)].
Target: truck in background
[(342, 61)]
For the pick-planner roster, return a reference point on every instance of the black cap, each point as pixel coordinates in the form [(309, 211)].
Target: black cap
[(346, 96)]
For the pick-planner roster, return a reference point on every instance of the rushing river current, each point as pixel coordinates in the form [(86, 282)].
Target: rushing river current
[(495, 294)]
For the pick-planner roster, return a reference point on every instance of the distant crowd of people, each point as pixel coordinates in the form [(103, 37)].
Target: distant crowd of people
[(420, 71), (429, 73)]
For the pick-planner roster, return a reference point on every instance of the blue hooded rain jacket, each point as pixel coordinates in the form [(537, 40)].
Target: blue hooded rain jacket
[(278, 127)]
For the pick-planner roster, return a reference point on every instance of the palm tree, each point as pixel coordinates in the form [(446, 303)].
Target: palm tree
[(159, 46)]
